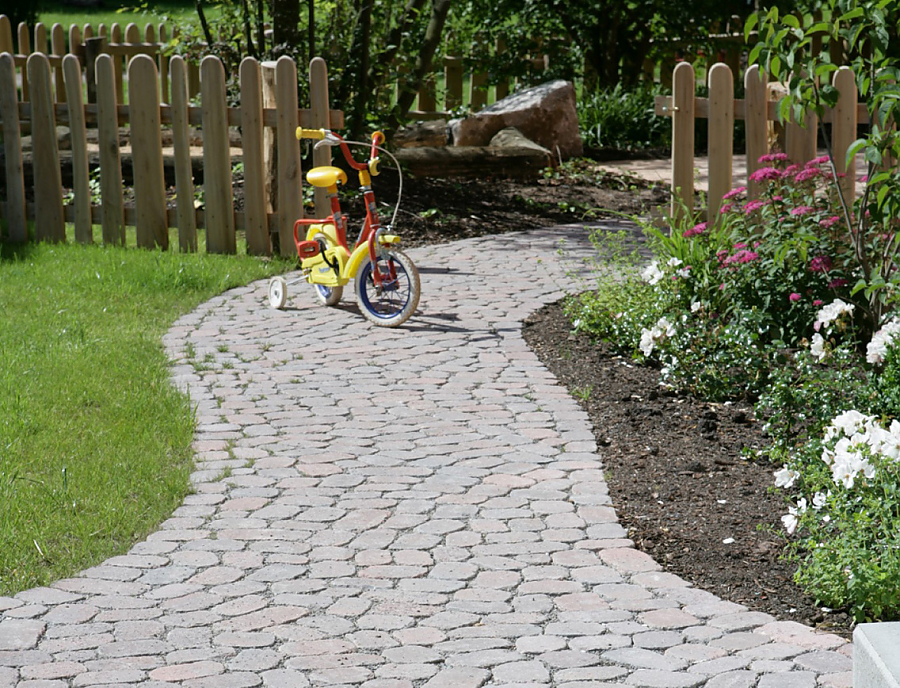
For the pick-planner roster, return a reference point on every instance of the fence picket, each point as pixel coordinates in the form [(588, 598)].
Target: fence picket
[(801, 139), (721, 135), (682, 139), (217, 191), (58, 48), (146, 151), (843, 128), (453, 82), (163, 67), (6, 38), (80, 168), (184, 182), (318, 99), (290, 198), (115, 36), (112, 207), (50, 224), (756, 121), (256, 224), (24, 43), (75, 43), (15, 213)]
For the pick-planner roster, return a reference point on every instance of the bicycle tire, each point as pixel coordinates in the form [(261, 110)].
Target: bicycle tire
[(398, 299)]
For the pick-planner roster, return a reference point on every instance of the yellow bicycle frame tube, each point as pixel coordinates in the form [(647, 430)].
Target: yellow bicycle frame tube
[(319, 271), (361, 252)]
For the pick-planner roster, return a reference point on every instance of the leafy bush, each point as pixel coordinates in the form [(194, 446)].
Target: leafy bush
[(626, 119)]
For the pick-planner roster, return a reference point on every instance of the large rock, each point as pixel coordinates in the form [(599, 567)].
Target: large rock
[(545, 114), (422, 134)]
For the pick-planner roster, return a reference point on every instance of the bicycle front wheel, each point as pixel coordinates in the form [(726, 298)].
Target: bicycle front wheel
[(397, 298)]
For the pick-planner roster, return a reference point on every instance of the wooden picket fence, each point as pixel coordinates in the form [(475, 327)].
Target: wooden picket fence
[(757, 109), (146, 116)]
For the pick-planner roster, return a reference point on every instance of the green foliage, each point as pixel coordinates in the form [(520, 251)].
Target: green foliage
[(623, 118), (91, 462)]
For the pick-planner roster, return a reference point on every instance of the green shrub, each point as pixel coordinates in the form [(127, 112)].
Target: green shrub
[(626, 119)]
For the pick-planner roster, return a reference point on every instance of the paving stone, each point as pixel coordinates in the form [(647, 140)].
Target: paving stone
[(733, 679), (459, 677), (20, 634), (792, 679)]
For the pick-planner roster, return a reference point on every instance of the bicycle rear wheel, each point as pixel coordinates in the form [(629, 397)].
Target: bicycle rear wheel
[(397, 298)]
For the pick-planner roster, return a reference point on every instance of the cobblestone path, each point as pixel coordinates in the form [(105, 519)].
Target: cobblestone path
[(395, 509)]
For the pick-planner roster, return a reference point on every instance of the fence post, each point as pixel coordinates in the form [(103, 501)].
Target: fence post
[(270, 142), (112, 209), (721, 135), (843, 127), (16, 218), (49, 221), (800, 140), (217, 180), (146, 152), (256, 223), (756, 118), (290, 196), (84, 231), (502, 88), (93, 48), (184, 180), (453, 82), (115, 36), (319, 105), (682, 140), (427, 98)]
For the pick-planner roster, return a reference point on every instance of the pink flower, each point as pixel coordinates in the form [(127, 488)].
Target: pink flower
[(765, 174), (734, 192), (773, 157), (801, 210), (835, 283), (741, 257), (726, 208), (818, 302), (695, 230), (821, 160), (794, 297), (830, 221), (820, 264), (791, 169), (753, 206), (740, 244), (807, 174)]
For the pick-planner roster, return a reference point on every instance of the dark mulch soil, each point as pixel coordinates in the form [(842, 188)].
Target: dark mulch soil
[(677, 473)]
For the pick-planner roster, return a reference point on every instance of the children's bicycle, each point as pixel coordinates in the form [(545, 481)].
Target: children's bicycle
[(386, 281)]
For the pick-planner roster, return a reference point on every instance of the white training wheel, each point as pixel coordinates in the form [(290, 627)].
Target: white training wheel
[(277, 292)]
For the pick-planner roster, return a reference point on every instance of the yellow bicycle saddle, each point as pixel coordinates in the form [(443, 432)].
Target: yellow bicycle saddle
[(326, 176)]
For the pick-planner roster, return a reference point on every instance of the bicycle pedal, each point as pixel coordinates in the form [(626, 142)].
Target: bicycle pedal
[(308, 249)]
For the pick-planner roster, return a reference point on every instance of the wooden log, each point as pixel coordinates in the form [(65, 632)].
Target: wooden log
[(474, 161), (721, 135), (111, 203), (58, 48), (184, 182), (756, 123), (682, 140), (50, 224), (80, 169), (16, 218), (217, 195), (290, 198), (844, 131), (256, 224), (318, 100), (146, 148)]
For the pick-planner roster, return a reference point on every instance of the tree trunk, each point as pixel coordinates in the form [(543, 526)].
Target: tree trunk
[(285, 21), (439, 10)]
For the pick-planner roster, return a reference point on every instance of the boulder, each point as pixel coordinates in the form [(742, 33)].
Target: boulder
[(430, 134), (545, 114)]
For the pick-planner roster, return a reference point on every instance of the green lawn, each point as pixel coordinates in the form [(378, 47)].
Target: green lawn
[(121, 11), (95, 443)]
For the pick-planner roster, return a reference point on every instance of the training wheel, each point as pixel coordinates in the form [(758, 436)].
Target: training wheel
[(277, 292)]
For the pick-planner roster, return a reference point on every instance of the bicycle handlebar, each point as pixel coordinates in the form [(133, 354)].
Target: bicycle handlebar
[(325, 135)]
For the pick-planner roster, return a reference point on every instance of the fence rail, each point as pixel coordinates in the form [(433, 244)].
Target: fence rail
[(758, 109), (145, 116)]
